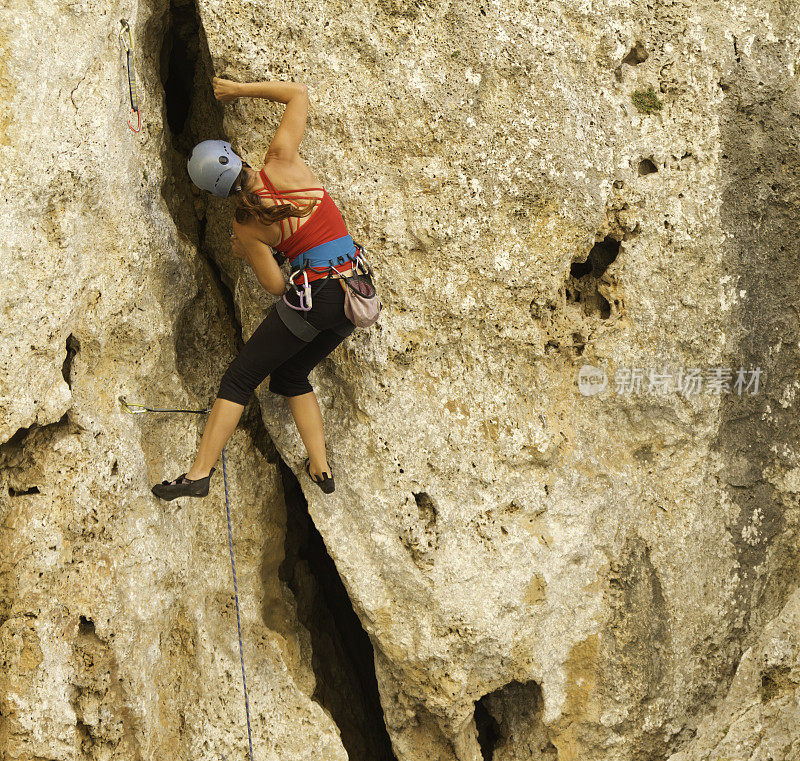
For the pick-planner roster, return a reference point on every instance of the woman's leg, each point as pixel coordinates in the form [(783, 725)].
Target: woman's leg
[(221, 423), (291, 380), (271, 344), (308, 419)]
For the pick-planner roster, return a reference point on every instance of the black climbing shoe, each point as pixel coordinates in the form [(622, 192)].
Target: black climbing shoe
[(326, 483), (183, 487)]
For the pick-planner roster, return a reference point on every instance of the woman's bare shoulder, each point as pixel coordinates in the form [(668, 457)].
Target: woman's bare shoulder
[(292, 172), (254, 229), (251, 227)]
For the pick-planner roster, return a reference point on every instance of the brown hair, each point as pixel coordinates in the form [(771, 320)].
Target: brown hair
[(248, 204)]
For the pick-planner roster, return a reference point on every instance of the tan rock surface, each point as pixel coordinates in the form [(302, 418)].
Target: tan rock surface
[(542, 574)]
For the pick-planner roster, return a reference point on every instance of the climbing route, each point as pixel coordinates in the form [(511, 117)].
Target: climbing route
[(135, 409)]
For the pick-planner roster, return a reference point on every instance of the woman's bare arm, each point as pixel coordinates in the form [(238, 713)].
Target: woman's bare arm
[(287, 137), (282, 92), (246, 245)]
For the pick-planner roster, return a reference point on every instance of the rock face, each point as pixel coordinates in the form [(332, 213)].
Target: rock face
[(510, 568)]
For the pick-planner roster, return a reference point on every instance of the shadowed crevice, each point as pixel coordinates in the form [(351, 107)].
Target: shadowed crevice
[(343, 661), (208, 332), (509, 724), (73, 347), (342, 658), (487, 728)]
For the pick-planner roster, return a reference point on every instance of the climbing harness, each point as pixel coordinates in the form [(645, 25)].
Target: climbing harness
[(325, 255), (321, 258), (128, 407), (355, 303), (126, 40)]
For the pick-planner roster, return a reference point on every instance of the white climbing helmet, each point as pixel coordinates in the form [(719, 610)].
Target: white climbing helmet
[(213, 166)]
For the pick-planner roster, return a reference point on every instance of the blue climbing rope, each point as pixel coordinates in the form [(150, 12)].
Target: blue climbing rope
[(135, 409), (236, 596)]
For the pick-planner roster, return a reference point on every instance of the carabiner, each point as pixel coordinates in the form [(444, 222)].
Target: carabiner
[(362, 261), (361, 267), (307, 289), (139, 121), (303, 293), (127, 44)]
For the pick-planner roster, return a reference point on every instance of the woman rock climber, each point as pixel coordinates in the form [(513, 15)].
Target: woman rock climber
[(263, 217)]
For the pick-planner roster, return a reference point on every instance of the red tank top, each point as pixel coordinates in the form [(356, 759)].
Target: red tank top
[(324, 224)]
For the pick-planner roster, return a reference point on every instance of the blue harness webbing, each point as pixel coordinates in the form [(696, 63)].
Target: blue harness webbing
[(329, 254)]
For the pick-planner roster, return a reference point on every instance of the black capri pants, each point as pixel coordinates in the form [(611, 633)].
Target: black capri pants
[(275, 351)]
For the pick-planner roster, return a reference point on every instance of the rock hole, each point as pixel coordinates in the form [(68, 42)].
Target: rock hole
[(579, 269), (509, 723), (646, 166), (488, 729), (343, 660), (12, 492), (582, 284), (18, 437), (73, 347), (427, 508), (85, 626), (776, 681), (114, 468), (636, 55), (551, 346), (84, 737), (18, 455)]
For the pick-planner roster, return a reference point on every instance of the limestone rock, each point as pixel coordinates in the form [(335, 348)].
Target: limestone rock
[(761, 712), (539, 573)]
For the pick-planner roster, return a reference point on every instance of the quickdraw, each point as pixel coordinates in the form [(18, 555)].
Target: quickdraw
[(128, 407), (127, 47)]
